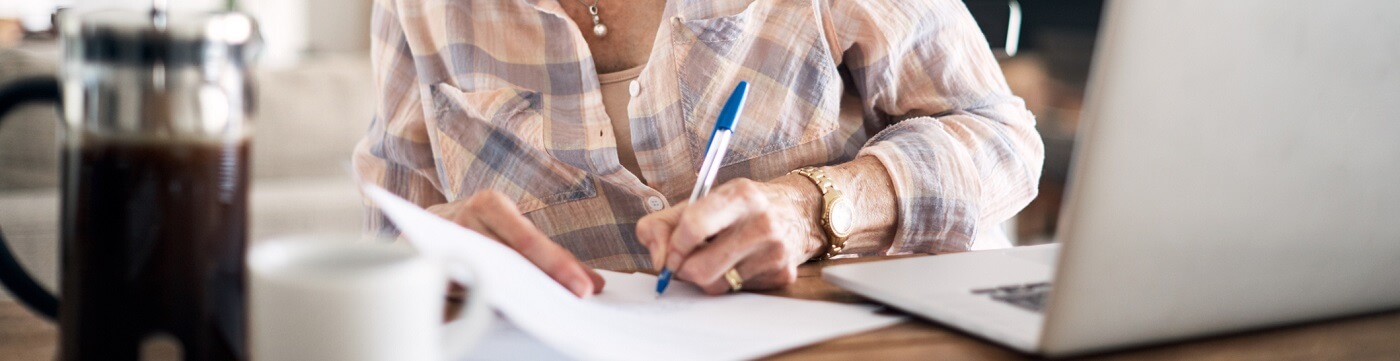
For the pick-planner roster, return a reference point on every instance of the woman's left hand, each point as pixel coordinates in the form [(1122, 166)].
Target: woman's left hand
[(761, 230)]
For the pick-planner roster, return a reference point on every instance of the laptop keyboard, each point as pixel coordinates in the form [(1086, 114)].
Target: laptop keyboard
[(1029, 296)]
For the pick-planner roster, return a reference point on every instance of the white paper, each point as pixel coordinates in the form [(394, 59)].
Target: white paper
[(504, 341), (627, 321)]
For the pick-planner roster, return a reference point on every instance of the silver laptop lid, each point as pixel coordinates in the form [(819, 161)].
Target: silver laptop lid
[(1239, 167)]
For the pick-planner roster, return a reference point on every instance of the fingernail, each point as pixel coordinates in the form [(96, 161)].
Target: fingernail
[(580, 288)]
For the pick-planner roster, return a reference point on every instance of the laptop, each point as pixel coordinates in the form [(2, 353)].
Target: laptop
[(1238, 168)]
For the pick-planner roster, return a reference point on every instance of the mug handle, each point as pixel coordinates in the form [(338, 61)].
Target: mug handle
[(463, 333), (12, 274)]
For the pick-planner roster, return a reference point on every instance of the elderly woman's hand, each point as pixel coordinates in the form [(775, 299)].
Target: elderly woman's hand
[(761, 230), (496, 216)]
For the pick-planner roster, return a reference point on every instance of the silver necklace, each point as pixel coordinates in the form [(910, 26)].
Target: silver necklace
[(599, 29)]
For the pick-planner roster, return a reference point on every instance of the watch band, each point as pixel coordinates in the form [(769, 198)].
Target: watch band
[(830, 195), (819, 177)]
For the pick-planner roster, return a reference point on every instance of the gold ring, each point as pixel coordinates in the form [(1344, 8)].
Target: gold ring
[(735, 282)]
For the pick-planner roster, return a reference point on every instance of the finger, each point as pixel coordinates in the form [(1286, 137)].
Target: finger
[(598, 281), (760, 271), (471, 213), (654, 232), (756, 250), (707, 265), (767, 278), (711, 214), (500, 216), (750, 270), (557, 262), (716, 287)]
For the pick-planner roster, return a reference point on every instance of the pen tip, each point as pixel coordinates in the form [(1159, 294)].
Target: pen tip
[(663, 280)]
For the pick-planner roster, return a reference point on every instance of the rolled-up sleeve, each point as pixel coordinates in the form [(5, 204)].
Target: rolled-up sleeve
[(396, 152), (961, 150)]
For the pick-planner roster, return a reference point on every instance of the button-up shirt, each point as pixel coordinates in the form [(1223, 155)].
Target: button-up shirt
[(503, 95)]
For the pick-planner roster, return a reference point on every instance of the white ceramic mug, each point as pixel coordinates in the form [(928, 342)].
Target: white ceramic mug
[(340, 300)]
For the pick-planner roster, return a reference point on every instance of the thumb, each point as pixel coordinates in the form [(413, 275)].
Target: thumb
[(654, 232)]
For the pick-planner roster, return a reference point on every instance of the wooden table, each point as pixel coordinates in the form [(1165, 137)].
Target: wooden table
[(25, 336)]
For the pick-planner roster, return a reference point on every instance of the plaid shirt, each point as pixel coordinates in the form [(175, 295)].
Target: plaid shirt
[(503, 95)]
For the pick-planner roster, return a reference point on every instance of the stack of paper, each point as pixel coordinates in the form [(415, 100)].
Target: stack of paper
[(627, 321)]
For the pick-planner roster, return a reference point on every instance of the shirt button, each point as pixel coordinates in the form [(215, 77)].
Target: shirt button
[(634, 88), (655, 203)]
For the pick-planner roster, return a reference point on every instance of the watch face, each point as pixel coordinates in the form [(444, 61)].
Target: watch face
[(841, 217)]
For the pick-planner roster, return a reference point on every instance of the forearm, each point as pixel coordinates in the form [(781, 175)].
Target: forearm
[(958, 173), (959, 151)]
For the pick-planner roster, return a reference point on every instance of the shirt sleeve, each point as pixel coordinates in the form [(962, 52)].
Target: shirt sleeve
[(961, 150), (395, 153)]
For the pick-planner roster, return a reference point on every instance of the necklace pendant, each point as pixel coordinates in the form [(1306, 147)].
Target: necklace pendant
[(599, 29)]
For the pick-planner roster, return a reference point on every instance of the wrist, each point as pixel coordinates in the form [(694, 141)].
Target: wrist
[(837, 210), (867, 180), (805, 200)]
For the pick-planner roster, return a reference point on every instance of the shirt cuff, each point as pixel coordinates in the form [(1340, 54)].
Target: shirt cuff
[(934, 184)]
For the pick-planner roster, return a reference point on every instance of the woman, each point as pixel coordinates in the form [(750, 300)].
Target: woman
[(571, 130)]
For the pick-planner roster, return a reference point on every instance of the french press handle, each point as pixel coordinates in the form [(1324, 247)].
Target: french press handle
[(12, 274)]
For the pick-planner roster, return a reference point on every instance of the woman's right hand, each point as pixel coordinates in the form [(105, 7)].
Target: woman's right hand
[(494, 215)]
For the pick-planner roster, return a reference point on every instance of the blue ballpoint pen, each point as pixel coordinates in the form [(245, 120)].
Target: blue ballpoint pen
[(714, 155)]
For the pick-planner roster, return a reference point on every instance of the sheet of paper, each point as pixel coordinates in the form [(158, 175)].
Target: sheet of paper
[(504, 341), (627, 321)]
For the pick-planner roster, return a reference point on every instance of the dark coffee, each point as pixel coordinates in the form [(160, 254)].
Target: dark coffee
[(154, 236)]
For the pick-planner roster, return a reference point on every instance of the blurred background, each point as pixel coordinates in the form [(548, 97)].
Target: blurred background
[(315, 101), (1045, 47)]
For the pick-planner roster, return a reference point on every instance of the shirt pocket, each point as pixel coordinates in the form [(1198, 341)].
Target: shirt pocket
[(493, 140), (778, 47)]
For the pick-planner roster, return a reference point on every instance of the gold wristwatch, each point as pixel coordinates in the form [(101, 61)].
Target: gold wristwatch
[(838, 214)]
